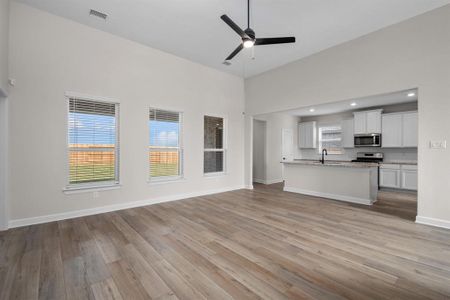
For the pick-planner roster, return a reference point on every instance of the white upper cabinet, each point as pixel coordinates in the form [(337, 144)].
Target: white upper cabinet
[(399, 130), (366, 122), (307, 135), (392, 130), (410, 129), (348, 140), (373, 121), (359, 123)]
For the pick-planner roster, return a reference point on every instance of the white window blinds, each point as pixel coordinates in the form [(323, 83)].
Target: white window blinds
[(214, 150), (93, 142), (165, 152)]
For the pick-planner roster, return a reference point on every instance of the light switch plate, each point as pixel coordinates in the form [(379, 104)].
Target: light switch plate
[(438, 144)]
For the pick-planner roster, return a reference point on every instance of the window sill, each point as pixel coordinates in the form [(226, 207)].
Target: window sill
[(90, 189), (214, 175), (166, 180)]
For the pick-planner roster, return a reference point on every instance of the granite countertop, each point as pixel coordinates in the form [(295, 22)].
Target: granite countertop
[(332, 163), (401, 162)]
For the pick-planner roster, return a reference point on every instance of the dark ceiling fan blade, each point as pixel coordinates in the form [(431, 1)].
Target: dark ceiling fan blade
[(272, 41), (234, 26), (236, 51)]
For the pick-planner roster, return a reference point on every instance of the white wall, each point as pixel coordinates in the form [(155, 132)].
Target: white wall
[(259, 151), (4, 45), (4, 38), (274, 125), (51, 55), (414, 53), (3, 162)]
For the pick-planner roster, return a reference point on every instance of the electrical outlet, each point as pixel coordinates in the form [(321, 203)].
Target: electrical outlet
[(96, 194), (438, 144)]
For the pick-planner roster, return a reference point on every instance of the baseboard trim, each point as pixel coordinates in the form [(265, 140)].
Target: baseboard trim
[(114, 207), (433, 222), (329, 196), (274, 181), (263, 181)]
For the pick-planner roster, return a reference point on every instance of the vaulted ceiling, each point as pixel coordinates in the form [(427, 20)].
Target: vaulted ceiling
[(192, 29)]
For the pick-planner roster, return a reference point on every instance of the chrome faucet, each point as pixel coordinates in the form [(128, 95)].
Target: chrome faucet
[(324, 151)]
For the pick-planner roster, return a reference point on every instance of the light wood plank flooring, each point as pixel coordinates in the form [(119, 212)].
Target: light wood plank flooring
[(261, 244), (402, 204)]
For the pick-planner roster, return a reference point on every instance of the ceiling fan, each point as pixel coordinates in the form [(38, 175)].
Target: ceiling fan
[(248, 36)]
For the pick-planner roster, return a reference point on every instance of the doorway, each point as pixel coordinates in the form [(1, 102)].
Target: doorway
[(259, 151), (393, 116)]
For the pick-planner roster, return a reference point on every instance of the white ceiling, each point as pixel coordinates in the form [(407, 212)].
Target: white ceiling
[(193, 30), (360, 103)]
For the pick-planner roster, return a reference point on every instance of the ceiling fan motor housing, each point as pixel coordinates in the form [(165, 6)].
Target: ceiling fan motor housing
[(250, 33)]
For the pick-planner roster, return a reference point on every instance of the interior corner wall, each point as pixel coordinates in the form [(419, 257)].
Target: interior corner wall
[(4, 48), (50, 56), (412, 54)]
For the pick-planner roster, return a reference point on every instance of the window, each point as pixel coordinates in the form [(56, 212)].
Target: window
[(93, 143), (165, 153), (330, 138), (214, 152)]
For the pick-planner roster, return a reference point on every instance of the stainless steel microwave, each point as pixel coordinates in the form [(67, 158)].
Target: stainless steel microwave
[(368, 140)]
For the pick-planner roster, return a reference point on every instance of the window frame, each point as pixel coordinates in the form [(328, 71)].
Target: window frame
[(100, 185), (319, 138), (180, 176), (223, 149)]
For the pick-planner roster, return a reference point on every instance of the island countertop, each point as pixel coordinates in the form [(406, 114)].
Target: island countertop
[(332, 163)]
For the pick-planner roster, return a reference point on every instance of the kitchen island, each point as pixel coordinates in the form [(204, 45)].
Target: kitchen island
[(339, 180)]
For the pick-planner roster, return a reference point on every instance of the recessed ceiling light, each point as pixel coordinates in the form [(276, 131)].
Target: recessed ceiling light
[(412, 94), (312, 110), (353, 104)]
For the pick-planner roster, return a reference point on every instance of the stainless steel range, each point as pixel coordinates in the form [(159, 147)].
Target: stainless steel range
[(373, 157)]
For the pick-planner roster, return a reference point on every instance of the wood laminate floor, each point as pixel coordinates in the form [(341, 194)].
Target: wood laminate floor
[(260, 244)]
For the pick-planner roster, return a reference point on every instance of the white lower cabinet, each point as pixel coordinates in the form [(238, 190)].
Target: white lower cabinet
[(398, 176), (409, 177), (390, 176)]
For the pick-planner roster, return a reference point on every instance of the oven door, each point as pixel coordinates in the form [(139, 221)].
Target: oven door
[(368, 140)]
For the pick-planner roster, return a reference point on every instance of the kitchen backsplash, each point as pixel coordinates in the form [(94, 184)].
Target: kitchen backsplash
[(390, 154)]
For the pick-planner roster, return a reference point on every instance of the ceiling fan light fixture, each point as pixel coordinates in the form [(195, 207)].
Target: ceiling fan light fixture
[(248, 43), (248, 36)]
